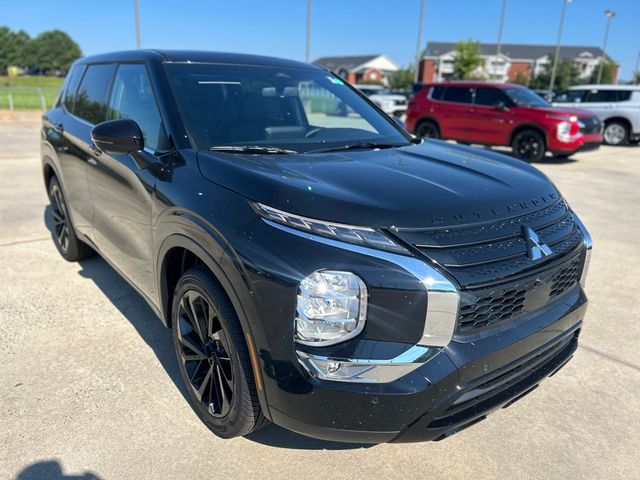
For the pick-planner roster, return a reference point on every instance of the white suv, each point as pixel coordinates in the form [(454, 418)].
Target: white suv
[(618, 106), (390, 103)]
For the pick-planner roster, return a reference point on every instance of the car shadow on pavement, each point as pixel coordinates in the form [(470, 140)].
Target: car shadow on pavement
[(136, 310), (51, 470)]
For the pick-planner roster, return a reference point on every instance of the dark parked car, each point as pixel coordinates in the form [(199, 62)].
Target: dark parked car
[(502, 114), (330, 274)]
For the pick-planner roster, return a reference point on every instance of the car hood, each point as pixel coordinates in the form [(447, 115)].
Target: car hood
[(427, 185), (553, 110)]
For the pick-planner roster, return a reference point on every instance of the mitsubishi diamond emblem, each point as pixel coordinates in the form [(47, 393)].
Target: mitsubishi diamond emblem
[(535, 248)]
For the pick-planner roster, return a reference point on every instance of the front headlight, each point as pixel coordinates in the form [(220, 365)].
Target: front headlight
[(364, 236), (331, 308)]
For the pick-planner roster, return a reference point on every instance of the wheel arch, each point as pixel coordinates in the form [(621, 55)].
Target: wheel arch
[(621, 119), (424, 119), (529, 126), (179, 252)]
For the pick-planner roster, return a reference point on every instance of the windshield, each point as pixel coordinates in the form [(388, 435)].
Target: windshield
[(523, 97), (282, 108)]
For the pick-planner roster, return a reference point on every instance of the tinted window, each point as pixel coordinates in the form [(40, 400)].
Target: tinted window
[(91, 100), (132, 97), (436, 93), (607, 96), (457, 94), (71, 86), (489, 96), (523, 97), (299, 109), (570, 96)]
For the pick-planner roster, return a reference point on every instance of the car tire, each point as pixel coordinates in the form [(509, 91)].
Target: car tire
[(528, 145), (615, 133), (64, 236), (213, 356), (427, 129)]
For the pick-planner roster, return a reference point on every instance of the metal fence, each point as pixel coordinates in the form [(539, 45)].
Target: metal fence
[(35, 98)]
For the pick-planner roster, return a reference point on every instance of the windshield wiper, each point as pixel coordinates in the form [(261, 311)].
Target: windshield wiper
[(252, 149), (355, 146)]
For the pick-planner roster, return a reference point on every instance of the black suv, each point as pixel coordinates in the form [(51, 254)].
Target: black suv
[(320, 268)]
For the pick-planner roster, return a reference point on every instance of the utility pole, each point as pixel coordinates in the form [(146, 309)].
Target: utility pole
[(498, 50), (609, 14), (308, 51), (555, 57), (419, 42), (136, 14)]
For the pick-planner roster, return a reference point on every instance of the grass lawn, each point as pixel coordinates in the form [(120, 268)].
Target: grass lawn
[(25, 91)]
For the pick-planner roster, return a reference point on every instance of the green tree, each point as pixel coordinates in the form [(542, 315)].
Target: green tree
[(521, 79), (567, 74), (52, 51), (467, 59), (402, 79), (608, 69), (12, 48)]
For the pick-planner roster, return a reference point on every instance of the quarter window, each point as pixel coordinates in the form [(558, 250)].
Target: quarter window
[(457, 95), (91, 100), (132, 97)]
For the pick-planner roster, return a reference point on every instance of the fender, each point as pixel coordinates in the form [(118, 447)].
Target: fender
[(233, 285)]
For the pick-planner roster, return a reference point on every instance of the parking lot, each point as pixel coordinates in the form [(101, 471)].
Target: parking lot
[(89, 382)]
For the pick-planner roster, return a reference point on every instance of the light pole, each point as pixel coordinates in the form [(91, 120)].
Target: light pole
[(609, 14), (136, 14), (555, 57), (419, 42), (308, 50), (504, 13)]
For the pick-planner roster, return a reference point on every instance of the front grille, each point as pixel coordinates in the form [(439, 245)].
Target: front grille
[(590, 125), (491, 261), (484, 307)]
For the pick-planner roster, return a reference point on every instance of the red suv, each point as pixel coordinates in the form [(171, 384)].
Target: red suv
[(501, 114)]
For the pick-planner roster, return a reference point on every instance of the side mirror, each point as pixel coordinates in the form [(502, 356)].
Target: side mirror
[(118, 136), (501, 106)]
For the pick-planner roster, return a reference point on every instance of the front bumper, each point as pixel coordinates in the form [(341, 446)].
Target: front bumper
[(452, 390), (583, 143)]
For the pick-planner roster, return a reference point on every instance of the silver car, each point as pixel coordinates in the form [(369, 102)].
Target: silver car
[(618, 106)]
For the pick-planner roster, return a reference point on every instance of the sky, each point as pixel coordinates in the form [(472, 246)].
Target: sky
[(339, 27)]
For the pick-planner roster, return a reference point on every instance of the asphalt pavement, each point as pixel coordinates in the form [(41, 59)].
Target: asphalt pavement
[(89, 387)]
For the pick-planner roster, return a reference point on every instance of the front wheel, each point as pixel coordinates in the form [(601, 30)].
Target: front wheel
[(616, 133), (528, 145), (427, 129), (213, 357)]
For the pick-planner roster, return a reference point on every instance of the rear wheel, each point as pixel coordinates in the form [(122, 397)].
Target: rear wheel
[(528, 145), (616, 133), (64, 236), (427, 129), (213, 357)]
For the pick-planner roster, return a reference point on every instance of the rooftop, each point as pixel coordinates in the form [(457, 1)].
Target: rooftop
[(518, 51)]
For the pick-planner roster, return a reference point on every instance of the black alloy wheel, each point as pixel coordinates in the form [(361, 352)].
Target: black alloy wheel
[(204, 353), (213, 356), (64, 236), (528, 145), (427, 129)]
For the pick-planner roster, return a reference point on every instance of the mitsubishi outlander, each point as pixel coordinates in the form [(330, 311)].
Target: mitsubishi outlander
[(320, 268)]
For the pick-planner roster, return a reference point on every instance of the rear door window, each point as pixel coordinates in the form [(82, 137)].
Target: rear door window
[(607, 96), (457, 95), (91, 99), (436, 92), (71, 86)]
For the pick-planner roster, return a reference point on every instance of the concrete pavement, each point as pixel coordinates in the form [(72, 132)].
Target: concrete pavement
[(89, 384)]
